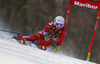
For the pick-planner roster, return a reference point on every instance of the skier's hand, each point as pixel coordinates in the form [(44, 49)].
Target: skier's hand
[(46, 37), (54, 44)]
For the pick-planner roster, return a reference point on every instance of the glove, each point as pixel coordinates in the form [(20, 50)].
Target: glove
[(15, 37), (54, 44), (47, 37)]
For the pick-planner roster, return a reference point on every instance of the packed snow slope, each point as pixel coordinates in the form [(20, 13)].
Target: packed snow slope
[(12, 52)]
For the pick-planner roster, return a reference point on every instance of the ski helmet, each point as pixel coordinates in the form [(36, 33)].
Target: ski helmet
[(59, 21)]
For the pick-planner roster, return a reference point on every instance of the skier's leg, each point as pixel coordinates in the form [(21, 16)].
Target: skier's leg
[(33, 38), (38, 35), (45, 43)]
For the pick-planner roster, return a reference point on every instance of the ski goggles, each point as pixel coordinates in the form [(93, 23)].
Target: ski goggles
[(60, 25)]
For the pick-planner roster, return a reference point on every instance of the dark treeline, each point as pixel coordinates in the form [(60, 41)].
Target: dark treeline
[(30, 16)]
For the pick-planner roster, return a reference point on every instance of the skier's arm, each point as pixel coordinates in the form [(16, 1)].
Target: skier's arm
[(61, 38), (48, 26), (46, 29)]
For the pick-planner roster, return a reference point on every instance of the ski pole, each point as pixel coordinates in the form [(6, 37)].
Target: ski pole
[(57, 49)]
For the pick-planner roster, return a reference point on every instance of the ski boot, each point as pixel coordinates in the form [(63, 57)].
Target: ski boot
[(32, 44), (15, 37)]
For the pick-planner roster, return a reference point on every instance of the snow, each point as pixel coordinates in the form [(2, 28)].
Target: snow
[(12, 52)]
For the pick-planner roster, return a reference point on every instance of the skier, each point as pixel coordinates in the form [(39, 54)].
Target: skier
[(52, 34)]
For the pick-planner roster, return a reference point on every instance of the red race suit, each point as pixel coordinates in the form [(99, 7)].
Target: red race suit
[(39, 36)]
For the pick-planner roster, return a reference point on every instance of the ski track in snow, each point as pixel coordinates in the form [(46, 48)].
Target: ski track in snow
[(12, 52)]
